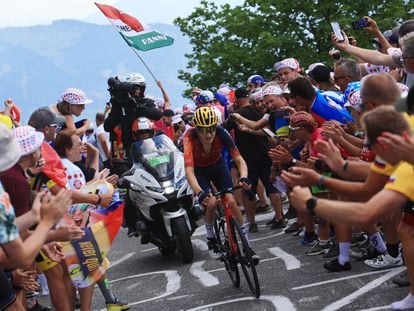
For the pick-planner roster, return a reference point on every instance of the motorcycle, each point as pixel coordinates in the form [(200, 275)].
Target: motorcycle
[(157, 187)]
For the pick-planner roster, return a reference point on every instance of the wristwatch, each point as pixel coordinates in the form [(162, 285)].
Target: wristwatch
[(293, 162), (311, 204)]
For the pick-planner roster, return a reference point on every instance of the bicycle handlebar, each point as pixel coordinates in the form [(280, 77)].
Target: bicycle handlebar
[(249, 193)]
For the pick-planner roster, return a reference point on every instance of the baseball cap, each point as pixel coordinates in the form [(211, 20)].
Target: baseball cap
[(272, 90), (44, 116), (287, 63), (176, 119)]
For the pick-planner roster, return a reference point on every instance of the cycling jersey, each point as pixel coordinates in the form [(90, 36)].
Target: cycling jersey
[(195, 155)]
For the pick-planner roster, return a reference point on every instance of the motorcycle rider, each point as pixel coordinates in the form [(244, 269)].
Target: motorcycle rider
[(129, 103), (142, 128)]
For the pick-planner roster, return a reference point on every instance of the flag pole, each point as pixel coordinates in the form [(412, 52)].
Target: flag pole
[(146, 66)]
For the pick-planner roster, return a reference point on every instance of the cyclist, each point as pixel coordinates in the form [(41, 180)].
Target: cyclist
[(204, 164)]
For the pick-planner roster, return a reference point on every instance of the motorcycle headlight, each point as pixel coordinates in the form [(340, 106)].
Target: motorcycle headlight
[(135, 187), (155, 189), (169, 190)]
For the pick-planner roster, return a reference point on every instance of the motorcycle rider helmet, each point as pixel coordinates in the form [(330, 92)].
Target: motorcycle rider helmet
[(142, 128), (205, 117), (134, 79)]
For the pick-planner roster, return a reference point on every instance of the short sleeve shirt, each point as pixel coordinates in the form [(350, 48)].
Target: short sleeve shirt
[(194, 154), (74, 174), (8, 227), (402, 181)]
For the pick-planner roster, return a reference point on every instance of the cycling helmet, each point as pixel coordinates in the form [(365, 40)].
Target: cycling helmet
[(141, 126), (205, 117), (75, 96), (204, 98), (255, 79)]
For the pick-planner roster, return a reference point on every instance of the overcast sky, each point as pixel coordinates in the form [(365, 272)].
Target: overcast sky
[(35, 12)]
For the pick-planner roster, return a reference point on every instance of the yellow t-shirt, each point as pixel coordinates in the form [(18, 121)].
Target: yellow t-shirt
[(402, 180), (381, 167)]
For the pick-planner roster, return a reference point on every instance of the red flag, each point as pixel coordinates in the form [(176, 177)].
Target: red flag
[(114, 13)]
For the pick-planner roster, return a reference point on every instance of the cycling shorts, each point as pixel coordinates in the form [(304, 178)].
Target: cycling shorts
[(218, 174)]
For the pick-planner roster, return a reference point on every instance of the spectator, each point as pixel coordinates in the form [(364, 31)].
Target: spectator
[(102, 141)]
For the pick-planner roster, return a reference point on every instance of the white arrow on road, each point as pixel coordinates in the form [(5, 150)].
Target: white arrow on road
[(207, 279), (291, 262)]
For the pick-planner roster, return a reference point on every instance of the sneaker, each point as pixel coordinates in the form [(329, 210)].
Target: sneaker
[(384, 261), (269, 223), (117, 305), (333, 251), (318, 249), (358, 240), (309, 238), (278, 224), (293, 227), (253, 228), (291, 213), (39, 307), (402, 280), (334, 266), (132, 233), (213, 250), (262, 209)]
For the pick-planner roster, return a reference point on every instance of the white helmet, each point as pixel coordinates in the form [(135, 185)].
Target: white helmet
[(133, 78)]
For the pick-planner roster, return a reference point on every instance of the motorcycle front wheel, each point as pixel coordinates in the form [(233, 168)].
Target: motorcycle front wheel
[(182, 239)]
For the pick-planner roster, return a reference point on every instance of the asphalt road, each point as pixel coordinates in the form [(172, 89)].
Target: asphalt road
[(289, 279)]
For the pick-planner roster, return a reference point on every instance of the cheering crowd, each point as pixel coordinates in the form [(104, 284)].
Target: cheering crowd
[(334, 140)]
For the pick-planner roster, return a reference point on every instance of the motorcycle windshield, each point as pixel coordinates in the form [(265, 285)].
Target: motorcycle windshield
[(156, 155)]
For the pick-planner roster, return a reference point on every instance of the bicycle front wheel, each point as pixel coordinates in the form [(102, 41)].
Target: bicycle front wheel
[(244, 257), (228, 258)]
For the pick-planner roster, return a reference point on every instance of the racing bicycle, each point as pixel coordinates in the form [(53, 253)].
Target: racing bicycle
[(233, 246)]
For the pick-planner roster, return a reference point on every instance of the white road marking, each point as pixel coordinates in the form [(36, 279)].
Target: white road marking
[(149, 249), (363, 290), (291, 262), (279, 302), (343, 278), (266, 237), (173, 284), (377, 308), (200, 231), (204, 277), (118, 261)]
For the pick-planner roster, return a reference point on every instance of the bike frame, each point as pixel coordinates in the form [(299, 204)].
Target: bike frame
[(228, 213)]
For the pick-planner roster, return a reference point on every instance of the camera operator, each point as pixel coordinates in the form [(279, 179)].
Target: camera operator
[(129, 103)]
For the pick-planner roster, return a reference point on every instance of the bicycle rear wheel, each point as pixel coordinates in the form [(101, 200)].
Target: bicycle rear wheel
[(244, 257), (228, 258)]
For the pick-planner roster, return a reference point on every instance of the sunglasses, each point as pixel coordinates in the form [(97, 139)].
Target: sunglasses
[(206, 130)]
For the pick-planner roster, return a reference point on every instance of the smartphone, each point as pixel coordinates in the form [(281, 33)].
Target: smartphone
[(337, 31), (268, 132), (359, 24)]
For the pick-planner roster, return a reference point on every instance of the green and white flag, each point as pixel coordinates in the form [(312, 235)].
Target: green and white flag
[(134, 33)]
